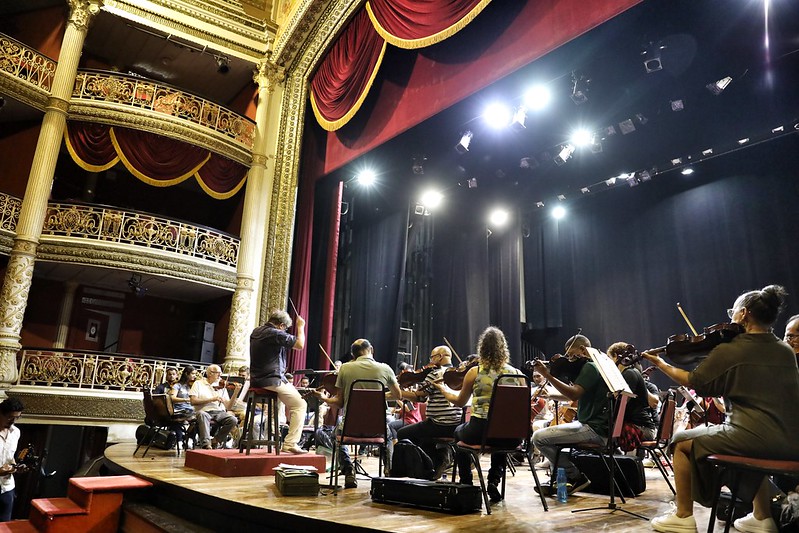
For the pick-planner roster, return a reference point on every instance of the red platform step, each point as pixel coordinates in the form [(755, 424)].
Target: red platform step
[(231, 463)]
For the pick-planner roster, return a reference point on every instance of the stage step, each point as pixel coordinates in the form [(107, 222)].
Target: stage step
[(144, 518), (92, 504), (17, 526)]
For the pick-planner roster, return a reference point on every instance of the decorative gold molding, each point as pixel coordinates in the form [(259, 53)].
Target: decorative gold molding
[(82, 12), (59, 105), (269, 74), (81, 407), (295, 32), (137, 260)]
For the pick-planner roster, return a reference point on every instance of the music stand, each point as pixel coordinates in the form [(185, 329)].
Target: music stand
[(695, 403), (616, 386)]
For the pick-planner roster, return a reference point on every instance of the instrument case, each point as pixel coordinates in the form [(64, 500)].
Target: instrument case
[(629, 473), (436, 495), (297, 483)]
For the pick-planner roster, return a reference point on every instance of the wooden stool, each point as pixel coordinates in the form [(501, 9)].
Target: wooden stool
[(266, 398), (737, 465)]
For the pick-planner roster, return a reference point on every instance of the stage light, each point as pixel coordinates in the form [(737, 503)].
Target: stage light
[(626, 126), (743, 141), (652, 57), (497, 115), (579, 88), (585, 190), (498, 217), (519, 117), (677, 105), (431, 199), (581, 137), (539, 204), (707, 152), (558, 212), (561, 197), (778, 129), (222, 64), (718, 86), (676, 161), (417, 167), (366, 177), (471, 183), (687, 171), (646, 175), (528, 163), (463, 145), (564, 153), (610, 182), (596, 144), (537, 97)]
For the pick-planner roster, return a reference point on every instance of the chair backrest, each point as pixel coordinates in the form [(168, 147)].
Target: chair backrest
[(366, 410), (667, 412), (509, 412), (161, 410), (149, 408), (618, 421)]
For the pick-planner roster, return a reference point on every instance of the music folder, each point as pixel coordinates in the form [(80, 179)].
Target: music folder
[(610, 373)]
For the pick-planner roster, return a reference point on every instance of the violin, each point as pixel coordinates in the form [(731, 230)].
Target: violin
[(684, 349), (453, 377), (409, 378)]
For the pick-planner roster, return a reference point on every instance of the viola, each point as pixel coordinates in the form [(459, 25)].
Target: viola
[(684, 349), (566, 368)]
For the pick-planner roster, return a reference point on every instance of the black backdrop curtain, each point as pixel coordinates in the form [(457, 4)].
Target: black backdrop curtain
[(625, 258)]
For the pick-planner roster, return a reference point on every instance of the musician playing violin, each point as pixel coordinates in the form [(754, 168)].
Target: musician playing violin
[(758, 374), (478, 383), (591, 425), (441, 416)]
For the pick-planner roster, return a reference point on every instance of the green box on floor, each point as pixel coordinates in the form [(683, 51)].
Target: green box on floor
[(297, 483)]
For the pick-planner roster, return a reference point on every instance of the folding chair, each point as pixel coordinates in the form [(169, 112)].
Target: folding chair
[(737, 465), (657, 449), (508, 419), (158, 415), (364, 423)]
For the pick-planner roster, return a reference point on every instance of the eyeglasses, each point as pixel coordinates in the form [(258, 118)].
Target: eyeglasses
[(730, 312)]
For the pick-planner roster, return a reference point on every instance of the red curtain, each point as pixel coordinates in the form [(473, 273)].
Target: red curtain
[(414, 24), (340, 85), (154, 159)]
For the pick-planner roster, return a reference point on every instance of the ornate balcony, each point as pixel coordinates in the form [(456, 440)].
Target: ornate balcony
[(19, 62)]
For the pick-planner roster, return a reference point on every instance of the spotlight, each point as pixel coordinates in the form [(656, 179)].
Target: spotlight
[(558, 212), (579, 88), (497, 116), (610, 130), (610, 182), (718, 86), (539, 204), (537, 97), (431, 199), (564, 153), (707, 152), (596, 144), (632, 180), (585, 190), (641, 119), (421, 210), (778, 129), (366, 177), (676, 161), (626, 126), (498, 217), (222, 64), (528, 163), (743, 141), (471, 183), (463, 145), (677, 105), (561, 197), (418, 164), (581, 137), (136, 287), (687, 171), (646, 175), (652, 57)]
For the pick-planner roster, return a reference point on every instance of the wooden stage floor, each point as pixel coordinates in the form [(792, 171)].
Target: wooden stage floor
[(352, 509)]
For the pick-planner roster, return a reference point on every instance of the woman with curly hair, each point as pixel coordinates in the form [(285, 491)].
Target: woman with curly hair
[(478, 385)]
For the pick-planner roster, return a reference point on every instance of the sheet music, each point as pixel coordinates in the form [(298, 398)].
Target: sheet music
[(610, 373)]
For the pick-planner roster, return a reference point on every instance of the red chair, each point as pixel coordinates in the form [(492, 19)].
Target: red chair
[(364, 422), (508, 418), (658, 449), (737, 465)]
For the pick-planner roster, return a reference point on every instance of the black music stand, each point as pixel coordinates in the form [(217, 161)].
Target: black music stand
[(617, 386)]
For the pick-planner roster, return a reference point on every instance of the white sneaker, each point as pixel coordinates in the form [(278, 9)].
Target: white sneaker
[(750, 524), (671, 523)]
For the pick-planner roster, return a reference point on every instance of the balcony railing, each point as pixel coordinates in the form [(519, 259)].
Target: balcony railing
[(139, 229), (66, 369), (9, 212), (163, 99), (26, 63)]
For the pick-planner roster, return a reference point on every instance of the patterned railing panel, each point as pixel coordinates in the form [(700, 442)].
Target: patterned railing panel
[(92, 370), (9, 212), (140, 229), (145, 94), (26, 63)]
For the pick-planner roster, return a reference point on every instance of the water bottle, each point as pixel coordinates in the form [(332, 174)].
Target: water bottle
[(563, 493)]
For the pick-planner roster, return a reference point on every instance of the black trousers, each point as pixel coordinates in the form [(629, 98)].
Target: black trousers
[(423, 434)]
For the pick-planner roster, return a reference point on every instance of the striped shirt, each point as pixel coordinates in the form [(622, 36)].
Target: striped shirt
[(439, 410)]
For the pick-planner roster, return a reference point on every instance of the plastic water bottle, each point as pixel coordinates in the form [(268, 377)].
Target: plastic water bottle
[(563, 493)]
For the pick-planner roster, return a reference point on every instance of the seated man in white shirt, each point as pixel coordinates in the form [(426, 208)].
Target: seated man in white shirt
[(211, 404)]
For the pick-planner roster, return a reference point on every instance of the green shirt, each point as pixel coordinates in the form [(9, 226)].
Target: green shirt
[(592, 409), (363, 368)]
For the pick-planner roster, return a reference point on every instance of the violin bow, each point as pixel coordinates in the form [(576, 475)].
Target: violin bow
[(332, 364), (693, 330), (415, 356), (460, 361)]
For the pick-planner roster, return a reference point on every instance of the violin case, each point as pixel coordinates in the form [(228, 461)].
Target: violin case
[(436, 495), (630, 476)]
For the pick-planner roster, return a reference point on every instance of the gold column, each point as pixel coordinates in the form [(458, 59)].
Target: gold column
[(17, 282), (65, 314), (257, 203)]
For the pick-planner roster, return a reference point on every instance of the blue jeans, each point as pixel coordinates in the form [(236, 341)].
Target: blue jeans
[(6, 505), (548, 441)]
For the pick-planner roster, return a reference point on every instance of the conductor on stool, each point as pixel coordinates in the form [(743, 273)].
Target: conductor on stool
[(269, 345)]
